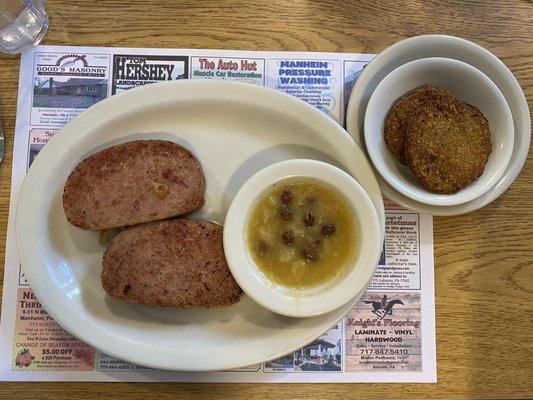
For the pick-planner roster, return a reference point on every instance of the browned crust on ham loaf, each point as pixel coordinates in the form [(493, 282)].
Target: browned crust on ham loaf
[(132, 183), (171, 263)]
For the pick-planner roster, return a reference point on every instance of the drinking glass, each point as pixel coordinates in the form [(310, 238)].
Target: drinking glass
[(23, 24)]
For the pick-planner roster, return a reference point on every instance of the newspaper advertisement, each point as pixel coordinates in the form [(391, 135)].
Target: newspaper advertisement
[(130, 71), (66, 84), (316, 82), (251, 70), (389, 335)]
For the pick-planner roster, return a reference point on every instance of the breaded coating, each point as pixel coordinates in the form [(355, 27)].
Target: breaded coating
[(447, 145), (396, 121)]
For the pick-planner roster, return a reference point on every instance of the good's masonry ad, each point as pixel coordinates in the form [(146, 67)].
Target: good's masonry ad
[(66, 84)]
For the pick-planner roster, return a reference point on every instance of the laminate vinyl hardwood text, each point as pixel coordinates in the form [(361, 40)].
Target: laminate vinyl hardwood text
[(483, 260)]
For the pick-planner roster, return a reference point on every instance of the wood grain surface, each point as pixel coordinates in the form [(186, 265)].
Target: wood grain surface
[(483, 260)]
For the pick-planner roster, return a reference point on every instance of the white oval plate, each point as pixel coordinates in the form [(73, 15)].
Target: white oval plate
[(235, 129), (459, 49)]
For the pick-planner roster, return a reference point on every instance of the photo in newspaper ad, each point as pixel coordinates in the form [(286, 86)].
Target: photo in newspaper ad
[(317, 82), (282, 364), (382, 333), (130, 71), (323, 354), (250, 70), (66, 84)]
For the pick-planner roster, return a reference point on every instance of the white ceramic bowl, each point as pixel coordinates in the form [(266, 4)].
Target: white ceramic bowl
[(320, 299), (466, 83), (424, 46)]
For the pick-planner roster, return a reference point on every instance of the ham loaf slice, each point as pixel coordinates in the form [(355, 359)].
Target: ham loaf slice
[(172, 263), (132, 183)]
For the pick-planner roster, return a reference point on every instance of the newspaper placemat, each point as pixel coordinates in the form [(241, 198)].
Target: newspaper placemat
[(389, 336)]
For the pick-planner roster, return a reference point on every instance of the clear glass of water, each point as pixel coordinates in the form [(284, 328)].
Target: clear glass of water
[(23, 24)]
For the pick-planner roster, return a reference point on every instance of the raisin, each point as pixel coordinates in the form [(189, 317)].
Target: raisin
[(309, 255), (288, 237), (286, 197), (285, 213), (126, 289), (328, 229), (309, 218)]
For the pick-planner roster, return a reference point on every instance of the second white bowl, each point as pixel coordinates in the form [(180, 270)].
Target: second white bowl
[(466, 83)]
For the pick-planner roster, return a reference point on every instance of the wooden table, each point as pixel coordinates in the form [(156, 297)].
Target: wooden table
[(483, 261)]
